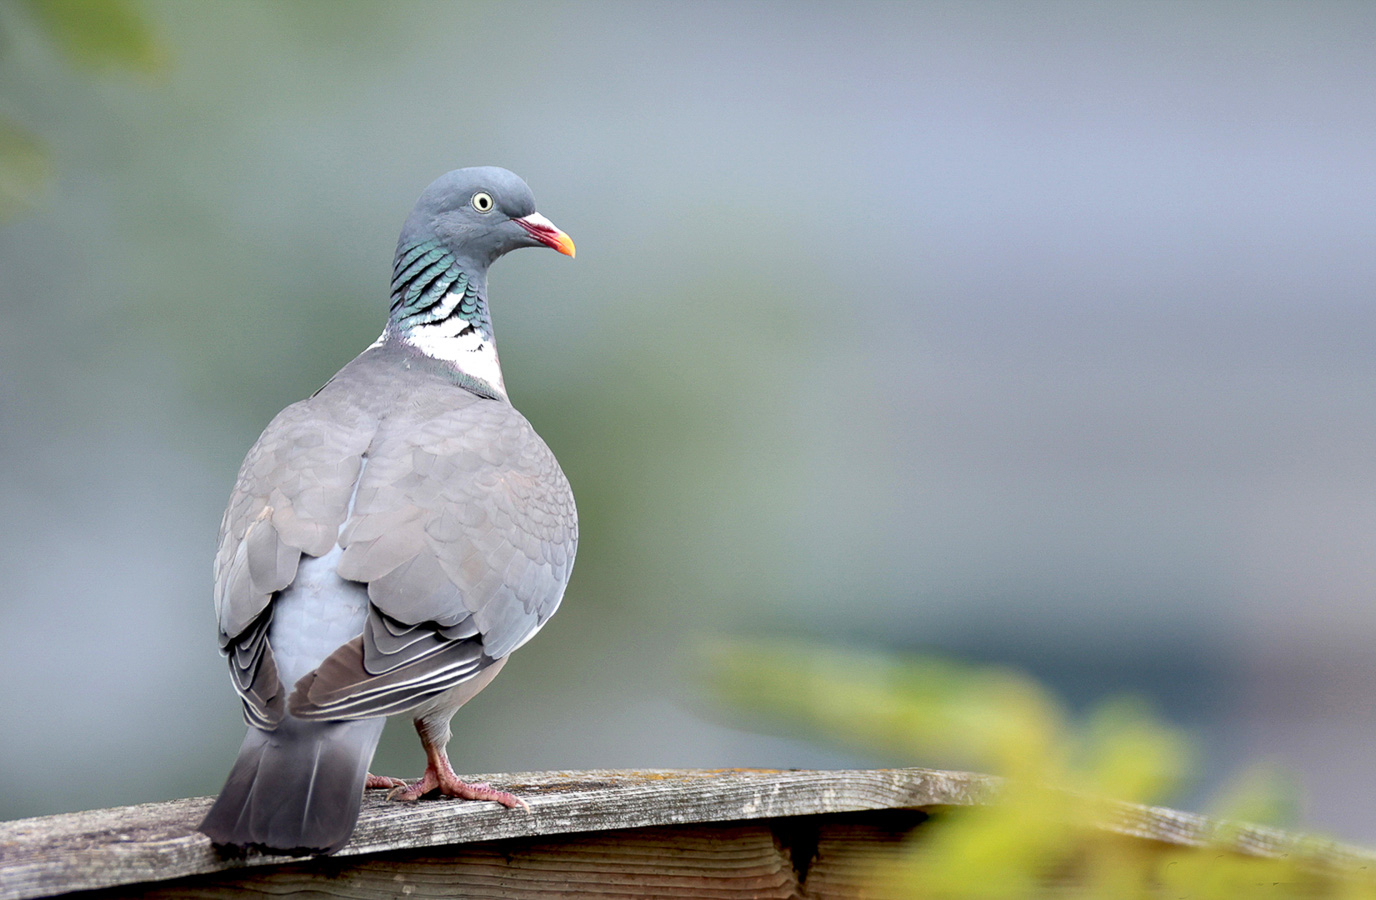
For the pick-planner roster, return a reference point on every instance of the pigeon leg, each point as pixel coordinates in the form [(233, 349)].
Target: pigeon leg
[(382, 782), (439, 775)]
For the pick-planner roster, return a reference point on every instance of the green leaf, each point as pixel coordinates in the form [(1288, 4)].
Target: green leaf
[(25, 169), (1042, 836), (1263, 792), (101, 34)]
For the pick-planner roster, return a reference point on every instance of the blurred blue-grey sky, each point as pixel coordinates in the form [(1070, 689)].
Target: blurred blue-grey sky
[(1032, 332)]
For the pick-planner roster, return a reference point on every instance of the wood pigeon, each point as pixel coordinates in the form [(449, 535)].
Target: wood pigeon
[(390, 540)]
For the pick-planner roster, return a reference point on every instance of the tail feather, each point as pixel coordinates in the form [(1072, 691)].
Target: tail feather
[(297, 788)]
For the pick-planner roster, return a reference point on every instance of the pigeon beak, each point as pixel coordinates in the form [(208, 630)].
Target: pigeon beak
[(543, 230)]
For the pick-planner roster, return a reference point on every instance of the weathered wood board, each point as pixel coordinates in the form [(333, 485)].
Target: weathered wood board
[(794, 858), (157, 841), (721, 834)]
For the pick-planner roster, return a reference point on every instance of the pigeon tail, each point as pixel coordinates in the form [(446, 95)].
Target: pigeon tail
[(297, 789)]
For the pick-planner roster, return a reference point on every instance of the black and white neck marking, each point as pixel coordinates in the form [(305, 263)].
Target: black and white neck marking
[(439, 310)]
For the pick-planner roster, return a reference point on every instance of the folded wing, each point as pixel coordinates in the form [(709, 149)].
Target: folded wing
[(464, 530)]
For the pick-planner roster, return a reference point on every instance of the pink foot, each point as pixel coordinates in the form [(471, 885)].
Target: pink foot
[(382, 782), (449, 785)]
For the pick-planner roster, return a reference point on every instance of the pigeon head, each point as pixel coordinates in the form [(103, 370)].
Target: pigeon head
[(462, 223), (478, 215)]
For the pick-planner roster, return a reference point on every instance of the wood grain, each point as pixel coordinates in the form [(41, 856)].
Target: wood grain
[(724, 862), (827, 857), (724, 834), (157, 841)]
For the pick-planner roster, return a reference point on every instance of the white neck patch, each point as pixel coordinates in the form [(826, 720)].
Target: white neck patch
[(455, 340)]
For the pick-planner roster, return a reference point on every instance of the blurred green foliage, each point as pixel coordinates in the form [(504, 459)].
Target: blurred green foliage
[(100, 35), (1040, 837), (24, 169)]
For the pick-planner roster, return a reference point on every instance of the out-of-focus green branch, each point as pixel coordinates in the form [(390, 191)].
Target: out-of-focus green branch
[(25, 168), (989, 718), (97, 35), (1041, 831), (100, 34)]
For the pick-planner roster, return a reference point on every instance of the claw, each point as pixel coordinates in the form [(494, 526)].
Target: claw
[(382, 782), (439, 775), (449, 785), (397, 792)]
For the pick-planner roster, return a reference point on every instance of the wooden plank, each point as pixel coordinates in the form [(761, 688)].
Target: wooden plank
[(803, 835), (826, 857), (732, 861), (157, 841), (849, 851)]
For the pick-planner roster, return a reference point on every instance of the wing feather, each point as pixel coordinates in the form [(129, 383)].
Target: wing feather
[(461, 524), (290, 498), (463, 529)]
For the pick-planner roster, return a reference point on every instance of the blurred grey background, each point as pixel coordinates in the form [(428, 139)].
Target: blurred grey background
[(1035, 333)]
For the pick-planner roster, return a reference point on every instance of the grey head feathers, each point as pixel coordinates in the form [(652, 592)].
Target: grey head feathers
[(463, 222), (475, 235)]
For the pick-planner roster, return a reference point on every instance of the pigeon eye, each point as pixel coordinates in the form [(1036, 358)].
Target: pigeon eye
[(482, 201)]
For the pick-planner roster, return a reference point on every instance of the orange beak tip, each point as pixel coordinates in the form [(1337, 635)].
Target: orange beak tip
[(543, 230)]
